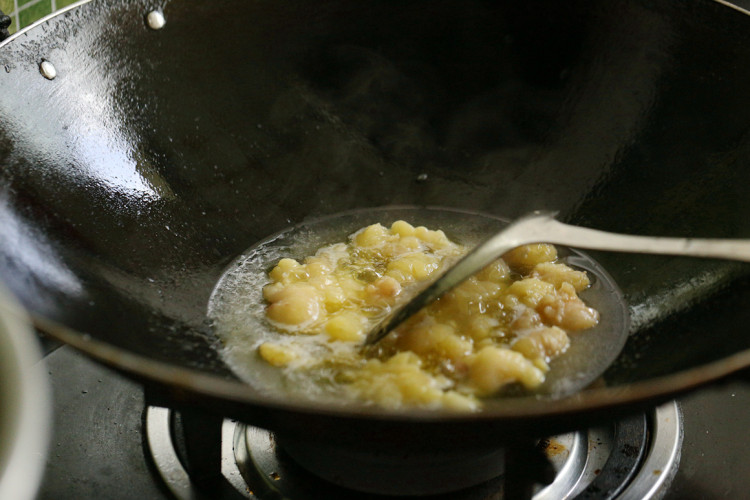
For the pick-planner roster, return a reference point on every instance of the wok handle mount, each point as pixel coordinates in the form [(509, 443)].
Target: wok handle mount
[(4, 25)]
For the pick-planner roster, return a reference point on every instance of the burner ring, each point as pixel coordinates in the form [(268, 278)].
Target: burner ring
[(170, 467), (256, 468), (661, 463)]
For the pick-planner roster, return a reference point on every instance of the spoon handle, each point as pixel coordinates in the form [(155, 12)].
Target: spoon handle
[(593, 239), (541, 227)]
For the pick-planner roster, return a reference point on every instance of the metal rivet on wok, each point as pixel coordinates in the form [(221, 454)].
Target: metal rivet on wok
[(155, 20), (47, 69)]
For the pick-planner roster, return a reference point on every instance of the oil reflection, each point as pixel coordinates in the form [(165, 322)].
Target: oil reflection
[(103, 140), (107, 158), (83, 137)]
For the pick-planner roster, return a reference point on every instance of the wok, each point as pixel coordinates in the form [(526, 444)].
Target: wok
[(151, 158)]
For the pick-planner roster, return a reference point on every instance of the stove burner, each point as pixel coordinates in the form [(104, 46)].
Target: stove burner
[(169, 466), (663, 460), (635, 458)]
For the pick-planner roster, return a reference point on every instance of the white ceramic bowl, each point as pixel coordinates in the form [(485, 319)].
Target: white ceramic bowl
[(25, 421)]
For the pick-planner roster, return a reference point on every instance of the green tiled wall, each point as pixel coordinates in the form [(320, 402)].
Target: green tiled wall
[(24, 12)]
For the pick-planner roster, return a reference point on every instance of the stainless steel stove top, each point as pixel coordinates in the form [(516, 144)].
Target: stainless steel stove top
[(100, 448)]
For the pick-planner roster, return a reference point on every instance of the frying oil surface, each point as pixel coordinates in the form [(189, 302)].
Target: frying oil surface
[(293, 311)]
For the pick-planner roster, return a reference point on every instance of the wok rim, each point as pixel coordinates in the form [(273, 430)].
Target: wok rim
[(46, 19), (185, 380), (60, 12)]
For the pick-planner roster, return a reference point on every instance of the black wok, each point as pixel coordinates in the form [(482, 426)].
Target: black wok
[(156, 156)]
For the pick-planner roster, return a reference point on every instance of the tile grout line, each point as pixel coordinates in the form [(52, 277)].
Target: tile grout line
[(29, 4), (15, 14)]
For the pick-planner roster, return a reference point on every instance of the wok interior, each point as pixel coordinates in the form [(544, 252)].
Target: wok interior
[(156, 157)]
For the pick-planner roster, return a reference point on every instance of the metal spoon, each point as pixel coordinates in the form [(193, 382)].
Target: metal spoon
[(541, 227)]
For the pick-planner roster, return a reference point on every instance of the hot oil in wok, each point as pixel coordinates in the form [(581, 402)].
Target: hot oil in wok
[(237, 307)]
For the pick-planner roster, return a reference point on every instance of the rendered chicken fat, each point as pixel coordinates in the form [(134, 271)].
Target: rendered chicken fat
[(501, 327)]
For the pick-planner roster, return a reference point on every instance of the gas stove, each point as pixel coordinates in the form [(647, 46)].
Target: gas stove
[(108, 444)]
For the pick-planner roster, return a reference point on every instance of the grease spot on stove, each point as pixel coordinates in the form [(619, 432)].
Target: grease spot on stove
[(552, 447)]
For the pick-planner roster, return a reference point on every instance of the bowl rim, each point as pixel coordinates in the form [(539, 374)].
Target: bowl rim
[(26, 407)]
